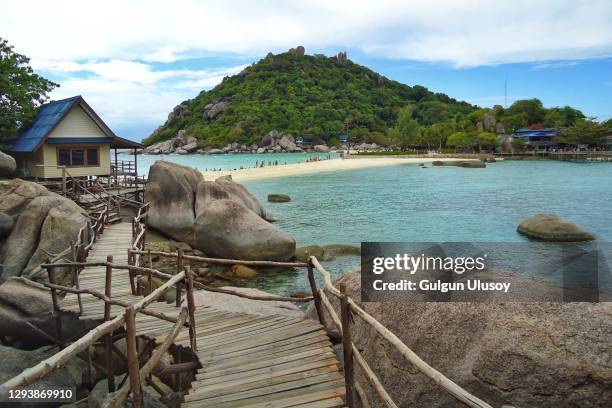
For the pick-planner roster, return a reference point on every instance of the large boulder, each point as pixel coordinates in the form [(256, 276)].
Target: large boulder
[(225, 188), (25, 310), (14, 361), (6, 224), (44, 223), (321, 148), (549, 227), (228, 229), (213, 109), (7, 165), (518, 354), (171, 192)]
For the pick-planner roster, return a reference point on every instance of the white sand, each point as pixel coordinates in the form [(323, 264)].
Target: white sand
[(298, 169)]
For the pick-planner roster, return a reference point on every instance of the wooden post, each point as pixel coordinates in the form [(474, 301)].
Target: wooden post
[(54, 300), (116, 169), (345, 315), (108, 339), (191, 309), (75, 275), (315, 292), (136, 171), (63, 180), (179, 268), (130, 259), (149, 278), (132, 357)]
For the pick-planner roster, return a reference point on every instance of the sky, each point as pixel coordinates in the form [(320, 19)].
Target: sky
[(133, 61)]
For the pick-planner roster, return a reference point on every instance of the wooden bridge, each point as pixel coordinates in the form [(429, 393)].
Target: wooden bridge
[(239, 359)]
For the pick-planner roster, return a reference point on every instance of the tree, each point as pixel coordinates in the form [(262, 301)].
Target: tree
[(21, 92), (461, 141), (518, 144), (486, 140), (584, 131), (406, 130)]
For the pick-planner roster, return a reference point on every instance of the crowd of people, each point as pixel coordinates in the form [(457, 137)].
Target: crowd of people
[(271, 163)]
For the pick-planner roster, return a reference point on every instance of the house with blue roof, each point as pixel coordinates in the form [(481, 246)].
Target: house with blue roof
[(537, 138), (67, 133)]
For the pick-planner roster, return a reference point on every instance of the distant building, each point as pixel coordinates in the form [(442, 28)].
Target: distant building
[(67, 133), (537, 137), (302, 141), (343, 138)]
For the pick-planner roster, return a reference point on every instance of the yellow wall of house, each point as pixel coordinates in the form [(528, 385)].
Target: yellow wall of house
[(50, 160), (27, 163), (77, 123)]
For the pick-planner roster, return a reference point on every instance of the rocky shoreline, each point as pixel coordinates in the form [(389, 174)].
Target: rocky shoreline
[(273, 142)]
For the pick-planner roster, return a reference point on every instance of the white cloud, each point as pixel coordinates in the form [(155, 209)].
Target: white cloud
[(108, 51), (466, 33)]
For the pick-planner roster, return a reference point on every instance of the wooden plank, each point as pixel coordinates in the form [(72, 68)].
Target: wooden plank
[(311, 355), (323, 366), (317, 374), (281, 368), (271, 391), (240, 349), (283, 399)]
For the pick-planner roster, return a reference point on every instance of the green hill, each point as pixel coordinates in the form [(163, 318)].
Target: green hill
[(305, 95)]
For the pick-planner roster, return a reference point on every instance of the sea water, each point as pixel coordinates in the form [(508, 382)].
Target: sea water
[(409, 203)]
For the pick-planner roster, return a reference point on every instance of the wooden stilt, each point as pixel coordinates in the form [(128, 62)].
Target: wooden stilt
[(315, 292), (108, 339), (179, 268), (191, 309), (56, 312), (347, 345), (132, 357)]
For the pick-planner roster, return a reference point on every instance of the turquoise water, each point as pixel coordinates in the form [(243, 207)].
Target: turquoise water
[(205, 162), (407, 203)]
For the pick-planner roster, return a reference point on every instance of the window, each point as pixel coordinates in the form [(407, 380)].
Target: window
[(78, 156), (63, 157), (92, 157)]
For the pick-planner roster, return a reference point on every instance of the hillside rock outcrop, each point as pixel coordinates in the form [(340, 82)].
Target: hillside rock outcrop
[(181, 142), (44, 223), (518, 354), (220, 218), (549, 227)]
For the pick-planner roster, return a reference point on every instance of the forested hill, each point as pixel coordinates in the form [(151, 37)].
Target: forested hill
[(305, 95)]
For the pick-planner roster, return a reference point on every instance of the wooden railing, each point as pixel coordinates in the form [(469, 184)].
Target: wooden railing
[(183, 277)]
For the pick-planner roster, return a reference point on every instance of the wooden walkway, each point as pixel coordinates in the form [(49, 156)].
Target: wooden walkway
[(248, 360)]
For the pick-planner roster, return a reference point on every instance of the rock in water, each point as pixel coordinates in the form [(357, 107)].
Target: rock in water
[(242, 271), (7, 165), (544, 355), (278, 198), (549, 227), (228, 229), (171, 193), (225, 188), (321, 149)]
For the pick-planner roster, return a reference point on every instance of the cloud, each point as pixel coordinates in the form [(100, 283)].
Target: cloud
[(466, 33), (556, 64)]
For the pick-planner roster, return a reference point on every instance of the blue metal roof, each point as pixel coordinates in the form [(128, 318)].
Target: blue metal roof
[(49, 115), (343, 138)]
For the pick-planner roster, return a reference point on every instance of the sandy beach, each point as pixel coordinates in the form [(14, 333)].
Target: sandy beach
[(298, 169)]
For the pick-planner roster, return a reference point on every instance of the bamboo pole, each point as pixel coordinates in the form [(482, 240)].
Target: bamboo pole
[(179, 268), (56, 311), (32, 374), (158, 353), (108, 340), (191, 309), (315, 292), (221, 261), (132, 358), (369, 374), (75, 276), (347, 346), (116, 302), (452, 388)]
